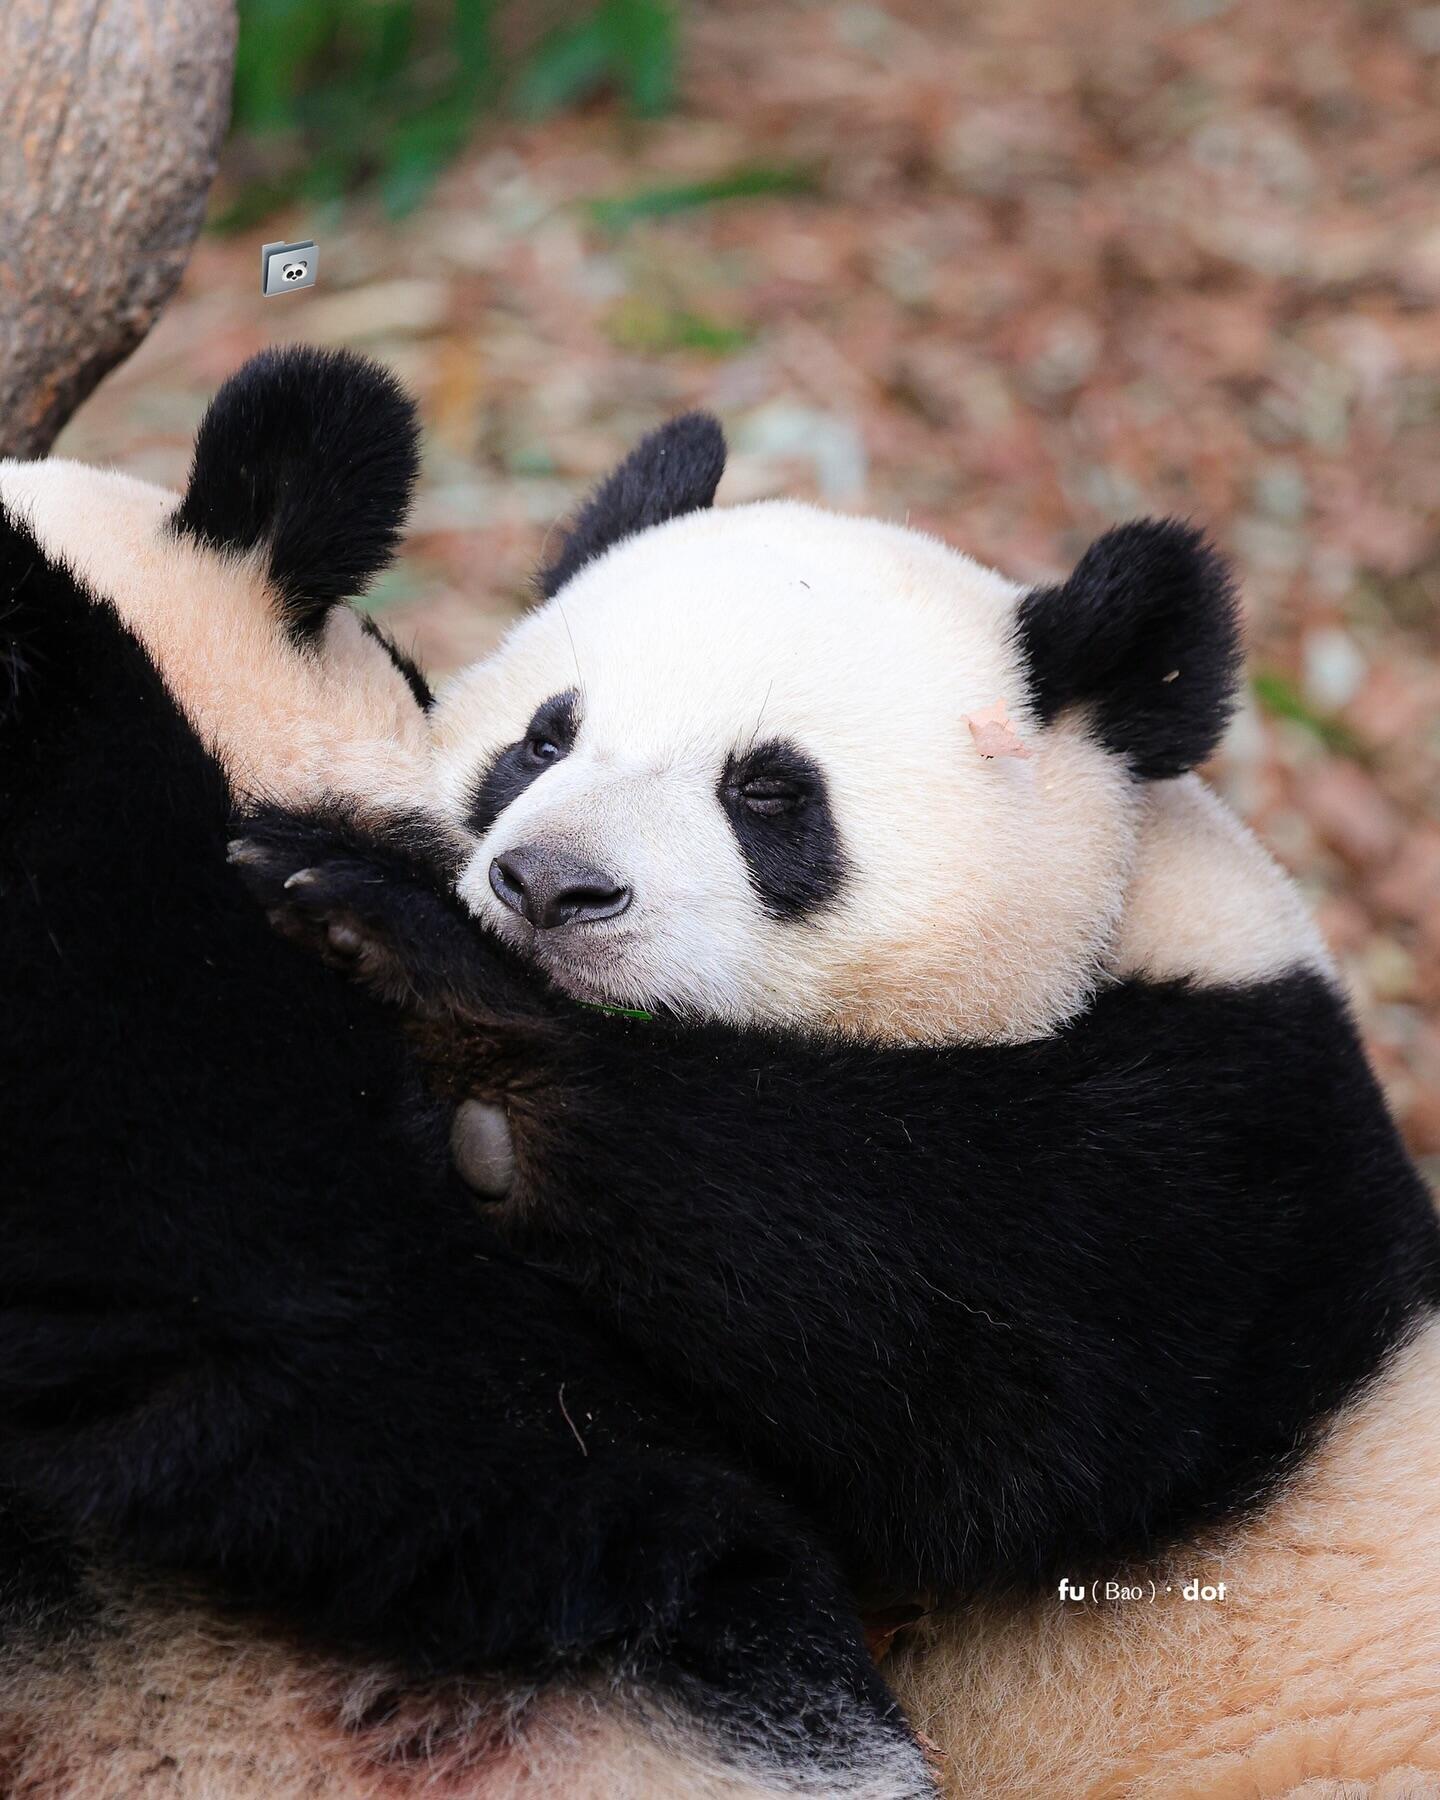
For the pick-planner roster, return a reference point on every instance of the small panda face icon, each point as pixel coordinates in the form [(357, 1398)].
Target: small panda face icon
[(284, 267)]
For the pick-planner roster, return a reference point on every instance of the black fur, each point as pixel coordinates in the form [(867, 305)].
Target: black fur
[(1146, 634), (548, 738), (987, 1311), (778, 805), (674, 470), (252, 1332), (414, 677), (312, 454)]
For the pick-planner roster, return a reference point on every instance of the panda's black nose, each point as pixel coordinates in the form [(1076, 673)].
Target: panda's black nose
[(550, 887)]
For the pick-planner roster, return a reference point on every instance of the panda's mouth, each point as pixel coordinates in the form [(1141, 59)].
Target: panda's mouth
[(586, 960)]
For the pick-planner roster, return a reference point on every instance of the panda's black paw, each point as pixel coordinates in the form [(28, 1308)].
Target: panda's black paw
[(374, 899), (307, 885), (341, 889)]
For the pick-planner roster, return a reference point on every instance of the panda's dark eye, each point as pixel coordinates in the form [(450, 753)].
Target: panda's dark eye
[(778, 805), (549, 738), (551, 733), (772, 795)]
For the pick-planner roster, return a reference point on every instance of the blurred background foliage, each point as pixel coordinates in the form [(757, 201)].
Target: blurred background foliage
[(332, 96)]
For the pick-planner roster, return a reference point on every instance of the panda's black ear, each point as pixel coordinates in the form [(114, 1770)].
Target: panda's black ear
[(1146, 634), (672, 471), (313, 455)]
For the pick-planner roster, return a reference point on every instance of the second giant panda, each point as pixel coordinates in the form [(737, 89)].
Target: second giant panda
[(1075, 1245), (309, 1486)]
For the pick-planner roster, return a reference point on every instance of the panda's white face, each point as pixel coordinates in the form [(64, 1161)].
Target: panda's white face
[(727, 771)]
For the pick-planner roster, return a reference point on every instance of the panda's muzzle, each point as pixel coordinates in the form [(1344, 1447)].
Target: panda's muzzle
[(550, 887)]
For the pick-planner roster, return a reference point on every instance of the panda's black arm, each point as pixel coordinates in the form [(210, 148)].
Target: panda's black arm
[(989, 1309), (992, 1310)]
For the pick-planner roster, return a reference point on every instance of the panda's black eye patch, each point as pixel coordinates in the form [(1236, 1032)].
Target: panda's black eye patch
[(548, 739), (778, 806)]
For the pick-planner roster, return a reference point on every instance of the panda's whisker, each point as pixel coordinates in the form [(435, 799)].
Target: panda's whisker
[(760, 717), (574, 653)]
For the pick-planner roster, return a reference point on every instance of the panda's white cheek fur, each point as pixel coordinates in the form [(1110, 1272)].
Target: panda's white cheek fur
[(708, 961), (1002, 934), (688, 940)]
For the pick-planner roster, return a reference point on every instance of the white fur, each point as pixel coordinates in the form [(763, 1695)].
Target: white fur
[(1205, 900), (288, 727), (983, 894)]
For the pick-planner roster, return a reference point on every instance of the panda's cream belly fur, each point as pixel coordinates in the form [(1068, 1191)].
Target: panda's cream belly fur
[(1320, 1667)]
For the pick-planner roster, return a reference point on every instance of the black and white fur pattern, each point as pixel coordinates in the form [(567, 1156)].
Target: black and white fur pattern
[(1147, 1282), (298, 489), (308, 1484), (748, 729), (980, 1307)]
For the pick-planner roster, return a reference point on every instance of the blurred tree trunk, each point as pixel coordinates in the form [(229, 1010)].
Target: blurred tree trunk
[(112, 114)]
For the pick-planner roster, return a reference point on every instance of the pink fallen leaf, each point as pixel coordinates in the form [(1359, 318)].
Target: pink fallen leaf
[(993, 732)]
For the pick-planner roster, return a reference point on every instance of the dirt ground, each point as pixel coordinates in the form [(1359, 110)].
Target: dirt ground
[(1019, 269)]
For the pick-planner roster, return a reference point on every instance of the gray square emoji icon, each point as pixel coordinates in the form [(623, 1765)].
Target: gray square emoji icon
[(285, 267)]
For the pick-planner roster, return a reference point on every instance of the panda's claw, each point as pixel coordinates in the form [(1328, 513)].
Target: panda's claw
[(330, 895), (365, 900)]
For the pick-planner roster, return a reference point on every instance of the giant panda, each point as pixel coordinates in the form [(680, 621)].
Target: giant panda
[(309, 1484), (1061, 1236)]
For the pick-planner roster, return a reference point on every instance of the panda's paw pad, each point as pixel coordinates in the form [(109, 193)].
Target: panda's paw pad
[(345, 939)]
